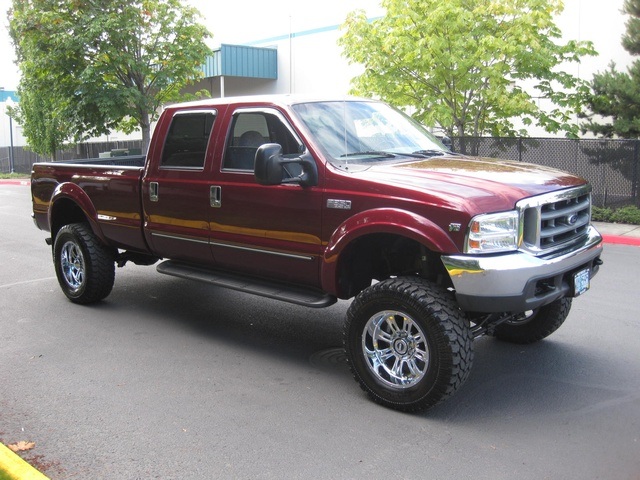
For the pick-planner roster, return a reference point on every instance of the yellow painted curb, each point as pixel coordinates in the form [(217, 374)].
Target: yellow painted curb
[(12, 467)]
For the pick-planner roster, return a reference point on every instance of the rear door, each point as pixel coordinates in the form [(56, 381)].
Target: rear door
[(177, 187), (268, 231)]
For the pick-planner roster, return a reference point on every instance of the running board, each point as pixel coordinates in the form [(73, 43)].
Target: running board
[(279, 291)]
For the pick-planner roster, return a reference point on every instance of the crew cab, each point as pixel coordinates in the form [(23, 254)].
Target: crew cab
[(311, 200)]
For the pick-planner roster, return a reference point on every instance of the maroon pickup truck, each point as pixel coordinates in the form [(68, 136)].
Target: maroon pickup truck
[(313, 200)]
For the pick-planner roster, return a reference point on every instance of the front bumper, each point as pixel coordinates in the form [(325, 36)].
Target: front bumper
[(519, 281)]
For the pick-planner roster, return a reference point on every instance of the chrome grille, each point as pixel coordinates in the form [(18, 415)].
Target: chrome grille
[(554, 221)]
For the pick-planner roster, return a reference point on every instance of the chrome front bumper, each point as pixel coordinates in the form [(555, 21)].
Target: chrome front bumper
[(519, 281)]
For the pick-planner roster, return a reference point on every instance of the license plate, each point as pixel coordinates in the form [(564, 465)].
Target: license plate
[(581, 282)]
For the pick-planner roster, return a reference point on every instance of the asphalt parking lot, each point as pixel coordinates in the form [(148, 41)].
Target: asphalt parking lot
[(170, 379)]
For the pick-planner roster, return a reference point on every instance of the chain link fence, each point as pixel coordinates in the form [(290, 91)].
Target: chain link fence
[(612, 166)]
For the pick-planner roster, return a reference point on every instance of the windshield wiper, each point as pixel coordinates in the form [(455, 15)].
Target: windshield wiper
[(369, 152), (430, 153)]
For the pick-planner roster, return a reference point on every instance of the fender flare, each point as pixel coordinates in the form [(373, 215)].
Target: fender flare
[(381, 220), (74, 193)]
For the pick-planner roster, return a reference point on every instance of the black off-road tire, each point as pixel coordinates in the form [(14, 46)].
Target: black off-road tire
[(84, 266), (535, 325), (408, 344)]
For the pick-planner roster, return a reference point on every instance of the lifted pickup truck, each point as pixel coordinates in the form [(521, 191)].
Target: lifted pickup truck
[(313, 200)]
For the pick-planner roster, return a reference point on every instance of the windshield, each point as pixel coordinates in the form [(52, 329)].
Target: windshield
[(365, 131)]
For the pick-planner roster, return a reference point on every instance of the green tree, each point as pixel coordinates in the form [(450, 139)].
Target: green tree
[(102, 65), (46, 132), (614, 100), (461, 64)]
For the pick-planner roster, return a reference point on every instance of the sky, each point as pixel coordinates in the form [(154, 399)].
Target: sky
[(245, 21)]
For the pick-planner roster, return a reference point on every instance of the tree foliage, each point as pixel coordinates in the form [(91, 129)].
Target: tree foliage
[(89, 67), (45, 131), (614, 100), (462, 65)]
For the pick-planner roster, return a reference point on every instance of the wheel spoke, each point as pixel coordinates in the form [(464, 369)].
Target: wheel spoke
[(391, 322), (396, 370), (413, 368), (421, 355), (384, 336), (385, 354)]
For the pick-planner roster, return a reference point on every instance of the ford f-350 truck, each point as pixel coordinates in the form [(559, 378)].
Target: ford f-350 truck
[(311, 200)]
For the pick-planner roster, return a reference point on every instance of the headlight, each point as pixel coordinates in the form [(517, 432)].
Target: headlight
[(492, 233)]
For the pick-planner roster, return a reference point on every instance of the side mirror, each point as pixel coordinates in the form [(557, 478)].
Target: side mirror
[(270, 167), (446, 141)]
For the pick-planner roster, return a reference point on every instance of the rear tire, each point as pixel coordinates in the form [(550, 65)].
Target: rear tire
[(408, 344), (535, 325), (84, 266)]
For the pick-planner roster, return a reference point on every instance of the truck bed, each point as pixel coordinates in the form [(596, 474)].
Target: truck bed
[(110, 196)]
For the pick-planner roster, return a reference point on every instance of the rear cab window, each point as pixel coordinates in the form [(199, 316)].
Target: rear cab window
[(186, 142)]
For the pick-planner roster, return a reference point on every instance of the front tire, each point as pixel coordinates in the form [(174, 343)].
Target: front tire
[(84, 266), (408, 344), (533, 326)]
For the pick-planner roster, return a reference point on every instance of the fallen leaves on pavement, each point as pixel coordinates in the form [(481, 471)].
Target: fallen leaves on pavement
[(21, 446)]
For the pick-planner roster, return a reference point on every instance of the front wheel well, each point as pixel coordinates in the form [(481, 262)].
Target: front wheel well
[(379, 256)]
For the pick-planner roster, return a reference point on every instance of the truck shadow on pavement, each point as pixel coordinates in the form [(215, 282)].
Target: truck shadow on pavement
[(552, 380), (274, 328), (552, 377)]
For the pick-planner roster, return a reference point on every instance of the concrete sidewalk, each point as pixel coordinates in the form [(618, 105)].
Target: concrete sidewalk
[(619, 233)]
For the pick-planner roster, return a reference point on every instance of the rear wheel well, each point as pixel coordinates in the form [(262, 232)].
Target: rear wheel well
[(65, 212), (384, 255)]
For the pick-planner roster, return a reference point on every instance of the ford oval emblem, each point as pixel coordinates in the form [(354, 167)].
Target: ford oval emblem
[(572, 219)]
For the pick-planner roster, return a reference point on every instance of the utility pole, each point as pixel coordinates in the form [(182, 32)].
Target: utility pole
[(9, 103)]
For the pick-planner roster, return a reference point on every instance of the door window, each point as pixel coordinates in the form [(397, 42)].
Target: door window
[(187, 139), (250, 130)]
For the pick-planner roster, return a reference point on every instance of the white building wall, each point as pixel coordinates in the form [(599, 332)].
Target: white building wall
[(602, 23), (310, 61)]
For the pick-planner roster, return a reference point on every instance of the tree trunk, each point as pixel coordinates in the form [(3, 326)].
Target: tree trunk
[(146, 137), (145, 126)]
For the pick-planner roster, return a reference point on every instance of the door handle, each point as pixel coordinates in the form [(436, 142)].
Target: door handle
[(215, 196), (153, 191)]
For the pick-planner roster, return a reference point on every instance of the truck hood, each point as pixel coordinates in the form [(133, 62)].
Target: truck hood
[(482, 184)]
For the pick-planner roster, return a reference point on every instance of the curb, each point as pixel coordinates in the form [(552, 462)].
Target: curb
[(621, 240), (13, 467), (17, 181)]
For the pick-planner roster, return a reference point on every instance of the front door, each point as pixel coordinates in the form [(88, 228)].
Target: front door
[(267, 231)]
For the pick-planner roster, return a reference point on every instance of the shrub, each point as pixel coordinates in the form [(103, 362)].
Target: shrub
[(599, 214), (629, 214)]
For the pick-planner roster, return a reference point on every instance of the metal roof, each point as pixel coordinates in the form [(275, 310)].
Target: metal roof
[(242, 61)]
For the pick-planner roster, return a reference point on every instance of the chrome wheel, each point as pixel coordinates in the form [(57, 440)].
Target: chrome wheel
[(72, 264), (408, 344), (395, 349)]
